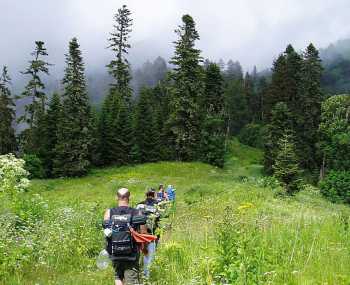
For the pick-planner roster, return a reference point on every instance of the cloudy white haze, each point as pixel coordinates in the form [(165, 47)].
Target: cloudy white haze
[(252, 31)]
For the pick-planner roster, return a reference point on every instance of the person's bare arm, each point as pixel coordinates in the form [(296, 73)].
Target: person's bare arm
[(107, 215)]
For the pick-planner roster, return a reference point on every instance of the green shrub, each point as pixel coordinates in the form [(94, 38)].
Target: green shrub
[(252, 135), (34, 166), (336, 186)]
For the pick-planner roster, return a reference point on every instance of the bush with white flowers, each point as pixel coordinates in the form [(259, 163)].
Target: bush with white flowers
[(13, 176)]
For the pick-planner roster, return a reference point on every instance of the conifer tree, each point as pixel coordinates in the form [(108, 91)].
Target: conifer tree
[(310, 104), (252, 98), (49, 136), (185, 118), (236, 107), (74, 127), (7, 115), (213, 133), (34, 90), (280, 124), (286, 167), (115, 126), (119, 67), (125, 130), (146, 129)]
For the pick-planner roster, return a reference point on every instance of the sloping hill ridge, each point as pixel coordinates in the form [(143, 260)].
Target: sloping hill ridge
[(229, 227)]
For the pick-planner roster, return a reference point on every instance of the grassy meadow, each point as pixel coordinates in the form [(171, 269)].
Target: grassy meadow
[(229, 227)]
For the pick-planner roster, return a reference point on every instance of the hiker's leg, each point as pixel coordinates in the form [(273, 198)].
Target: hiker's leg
[(119, 273), (151, 247), (132, 274)]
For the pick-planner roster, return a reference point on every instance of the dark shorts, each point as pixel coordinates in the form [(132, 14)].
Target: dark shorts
[(127, 271)]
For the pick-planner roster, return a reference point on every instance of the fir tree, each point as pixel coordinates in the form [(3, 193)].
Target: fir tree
[(252, 98), (119, 67), (280, 124), (236, 107), (115, 127), (7, 115), (286, 167), (74, 127), (34, 90), (49, 136), (213, 134), (146, 129), (124, 129), (310, 105), (184, 120)]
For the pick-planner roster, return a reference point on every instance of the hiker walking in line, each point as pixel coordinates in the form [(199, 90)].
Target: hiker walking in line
[(149, 209), (120, 224), (171, 193), (162, 195)]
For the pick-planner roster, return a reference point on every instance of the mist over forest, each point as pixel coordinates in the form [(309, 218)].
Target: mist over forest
[(245, 31)]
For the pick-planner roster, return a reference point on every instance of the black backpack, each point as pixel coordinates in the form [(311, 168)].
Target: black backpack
[(121, 245)]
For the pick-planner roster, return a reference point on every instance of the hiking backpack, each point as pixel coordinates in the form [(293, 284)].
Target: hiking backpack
[(121, 245)]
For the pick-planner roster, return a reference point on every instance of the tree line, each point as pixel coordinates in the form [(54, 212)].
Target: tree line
[(186, 113), (179, 118)]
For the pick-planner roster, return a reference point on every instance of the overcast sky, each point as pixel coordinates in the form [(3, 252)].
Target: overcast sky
[(251, 31)]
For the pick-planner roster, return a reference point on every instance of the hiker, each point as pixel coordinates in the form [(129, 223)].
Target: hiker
[(149, 208), (171, 193), (161, 195), (119, 225)]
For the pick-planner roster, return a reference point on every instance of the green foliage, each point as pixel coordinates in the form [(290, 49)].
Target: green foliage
[(185, 121), (335, 132), (253, 135), (34, 166), (310, 111), (236, 107), (7, 115), (281, 123), (212, 130), (146, 129), (119, 67), (336, 186), (286, 166), (34, 90), (74, 126)]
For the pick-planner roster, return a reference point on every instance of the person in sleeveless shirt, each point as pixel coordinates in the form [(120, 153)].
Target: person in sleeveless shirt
[(126, 272)]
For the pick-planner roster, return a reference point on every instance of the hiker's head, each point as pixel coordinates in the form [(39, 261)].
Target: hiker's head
[(123, 195), (151, 193), (161, 187)]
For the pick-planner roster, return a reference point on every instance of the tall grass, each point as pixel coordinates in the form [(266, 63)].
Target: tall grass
[(229, 228)]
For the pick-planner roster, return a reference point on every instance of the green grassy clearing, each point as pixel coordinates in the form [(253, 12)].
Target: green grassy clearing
[(300, 240)]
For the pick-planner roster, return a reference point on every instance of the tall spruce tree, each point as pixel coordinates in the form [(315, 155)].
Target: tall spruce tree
[(7, 115), (49, 136), (252, 98), (286, 166), (280, 124), (310, 104), (185, 119), (119, 67), (34, 90), (74, 127), (115, 126), (236, 107), (146, 129), (213, 131)]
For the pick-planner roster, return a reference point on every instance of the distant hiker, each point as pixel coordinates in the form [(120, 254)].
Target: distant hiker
[(149, 208), (171, 193), (162, 195), (119, 225)]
